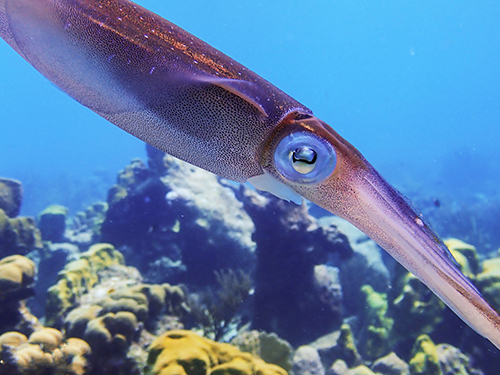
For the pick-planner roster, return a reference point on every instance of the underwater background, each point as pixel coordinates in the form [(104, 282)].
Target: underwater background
[(412, 85)]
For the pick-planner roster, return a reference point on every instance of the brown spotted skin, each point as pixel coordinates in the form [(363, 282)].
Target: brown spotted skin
[(151, 78)]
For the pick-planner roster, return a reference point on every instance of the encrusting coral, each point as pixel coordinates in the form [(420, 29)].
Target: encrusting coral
[(44, 352), (185, 353), (76, 279)]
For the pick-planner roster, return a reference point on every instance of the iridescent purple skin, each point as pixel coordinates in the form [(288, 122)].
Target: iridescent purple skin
[(170, 89)]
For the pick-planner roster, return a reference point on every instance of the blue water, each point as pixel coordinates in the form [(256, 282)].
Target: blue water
[(413, 85)]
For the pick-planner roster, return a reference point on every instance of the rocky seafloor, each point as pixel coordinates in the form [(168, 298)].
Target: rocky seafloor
[(183, 273)]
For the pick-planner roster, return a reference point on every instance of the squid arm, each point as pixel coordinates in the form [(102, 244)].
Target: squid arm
[(177, 93)]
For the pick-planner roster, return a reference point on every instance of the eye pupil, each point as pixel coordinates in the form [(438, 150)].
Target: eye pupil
[(304, 159), (304, 154)]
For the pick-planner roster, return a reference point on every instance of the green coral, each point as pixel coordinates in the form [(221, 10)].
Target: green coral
[(379, 325), (466, 256), (77, 278), (347, 347), (425, 359), (488, 282), (185, 353), (417, 309), (267, 346)]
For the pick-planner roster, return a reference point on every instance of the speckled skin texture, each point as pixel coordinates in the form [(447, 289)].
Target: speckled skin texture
[(150, 78)]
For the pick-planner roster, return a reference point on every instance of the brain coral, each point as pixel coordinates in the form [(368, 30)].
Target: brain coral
[(185, 353), (16, 272), (45, 352)]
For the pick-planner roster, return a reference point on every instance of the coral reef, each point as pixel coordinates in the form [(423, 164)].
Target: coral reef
[(424, 359), (290, 244), (184, 224), (11, 195), (466, 257), (378, 324), (267, 346), (85, 228), (215, 311), (76, 279), (391, 364), (418, 310), (52, 223), (17, 273), (488, 281), (186, 353), (18, 235), (44, 352), (338, 345), (306, 361), (258, 271)]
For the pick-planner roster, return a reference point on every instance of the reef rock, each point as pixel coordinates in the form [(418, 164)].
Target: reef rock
[(338, 345), (52, 223), (488, 281), (180, 221), (11, 195), (306, 361), (289, 298), (18, 235), (391, 364), (85, 228), (365, 262), (268, 346)]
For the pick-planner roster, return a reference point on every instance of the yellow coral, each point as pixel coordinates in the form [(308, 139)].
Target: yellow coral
[(77, 278), (185, 353), (16, 271), (465, 255), (44, 352), (488, 282), (425, 357)]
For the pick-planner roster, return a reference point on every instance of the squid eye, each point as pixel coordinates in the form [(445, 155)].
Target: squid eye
[(305, 157)]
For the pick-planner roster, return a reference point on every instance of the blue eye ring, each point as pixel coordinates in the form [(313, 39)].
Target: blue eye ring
[(305, 158)]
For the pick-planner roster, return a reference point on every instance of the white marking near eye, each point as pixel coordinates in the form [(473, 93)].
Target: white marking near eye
[(419, 222)]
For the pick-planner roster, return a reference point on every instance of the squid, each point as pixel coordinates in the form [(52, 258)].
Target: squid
[(179, 94)]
